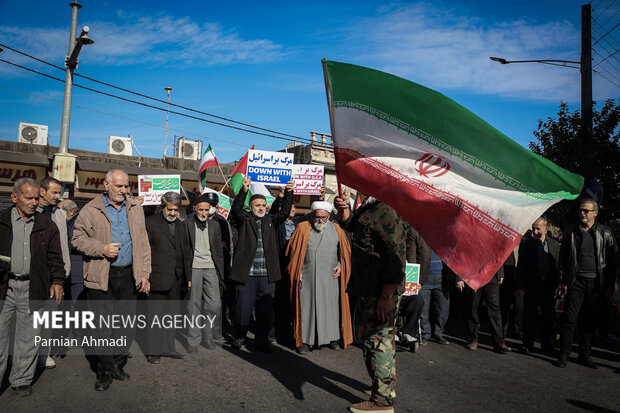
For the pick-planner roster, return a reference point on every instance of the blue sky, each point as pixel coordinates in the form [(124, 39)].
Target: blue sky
[(259, 63)]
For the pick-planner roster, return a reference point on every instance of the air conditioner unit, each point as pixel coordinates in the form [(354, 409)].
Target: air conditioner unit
[(188, 149), (31, 133), (119, 145)]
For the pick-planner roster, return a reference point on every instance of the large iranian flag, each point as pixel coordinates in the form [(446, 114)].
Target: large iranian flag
[(468, 189)]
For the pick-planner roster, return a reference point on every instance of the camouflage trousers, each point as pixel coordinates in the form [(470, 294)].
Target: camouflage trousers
[(380, 351)]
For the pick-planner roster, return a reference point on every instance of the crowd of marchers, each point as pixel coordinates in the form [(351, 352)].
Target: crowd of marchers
[(327, 278)]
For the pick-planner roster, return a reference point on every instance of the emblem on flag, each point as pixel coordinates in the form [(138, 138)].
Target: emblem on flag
[(432, 166)]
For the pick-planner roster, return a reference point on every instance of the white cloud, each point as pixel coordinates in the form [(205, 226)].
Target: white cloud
[(443, 49), (146, 39)]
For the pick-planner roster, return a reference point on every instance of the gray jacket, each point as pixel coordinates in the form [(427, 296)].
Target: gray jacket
[(59, 216)]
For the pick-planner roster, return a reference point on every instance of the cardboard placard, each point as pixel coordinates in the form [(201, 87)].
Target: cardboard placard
[(412, 281), (152, 187), (308, 179), (269, 168)]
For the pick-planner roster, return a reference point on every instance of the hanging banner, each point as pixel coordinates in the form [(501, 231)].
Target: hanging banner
[(269, 168), (307, 179), (152, 187)]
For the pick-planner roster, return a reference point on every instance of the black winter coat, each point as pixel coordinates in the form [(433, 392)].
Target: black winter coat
[(248, 232), (46, 263), (169, 254)]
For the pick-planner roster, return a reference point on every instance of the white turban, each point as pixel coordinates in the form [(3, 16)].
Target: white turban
[(325, 206)]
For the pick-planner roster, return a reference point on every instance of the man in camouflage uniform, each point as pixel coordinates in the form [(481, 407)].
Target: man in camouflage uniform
[(378, 252)]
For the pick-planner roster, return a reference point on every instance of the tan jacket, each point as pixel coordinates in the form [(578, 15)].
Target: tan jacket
[(93, 231)]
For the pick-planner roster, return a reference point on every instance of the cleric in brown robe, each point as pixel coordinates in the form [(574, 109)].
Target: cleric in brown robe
[(319, 269)]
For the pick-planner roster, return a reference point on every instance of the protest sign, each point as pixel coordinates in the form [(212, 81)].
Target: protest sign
[(307, 179), (412, 280), (152, 187), (224, 203), (270, 168)]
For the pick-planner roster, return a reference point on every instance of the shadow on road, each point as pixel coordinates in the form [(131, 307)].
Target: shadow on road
[(293, 371), (590, 407)]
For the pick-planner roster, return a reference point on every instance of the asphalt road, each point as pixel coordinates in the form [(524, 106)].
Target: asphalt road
[(446, 378)]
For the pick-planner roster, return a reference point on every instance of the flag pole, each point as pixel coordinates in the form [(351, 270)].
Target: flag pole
[(223, 176)]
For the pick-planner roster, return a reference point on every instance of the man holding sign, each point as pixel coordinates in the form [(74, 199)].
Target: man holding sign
[(256, 266)]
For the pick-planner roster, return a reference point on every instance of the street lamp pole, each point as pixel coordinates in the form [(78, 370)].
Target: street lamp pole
[(64, 162), (584, 65), (167, 89)]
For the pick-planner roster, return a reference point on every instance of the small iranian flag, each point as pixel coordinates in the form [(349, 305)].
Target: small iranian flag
[(236, 182), (469, 190), (208, 160)]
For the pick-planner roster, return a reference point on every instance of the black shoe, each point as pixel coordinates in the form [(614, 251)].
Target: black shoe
[(238, 343), (334, 345), (587, 361), (153, 359), (23, 391), (526, 350), (272, 339), (103, 381), (303, 349), (441, 340), (174, 355), (561, 362), (119, 374), (266, 347)]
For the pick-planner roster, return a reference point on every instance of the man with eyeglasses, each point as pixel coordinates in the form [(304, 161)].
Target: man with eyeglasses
[(587, 259), (319, 267)]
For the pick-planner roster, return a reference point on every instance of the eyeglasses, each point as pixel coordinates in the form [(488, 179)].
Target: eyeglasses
[(586, 211)]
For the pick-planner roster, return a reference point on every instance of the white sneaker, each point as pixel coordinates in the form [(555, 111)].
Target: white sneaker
[(408, 338), (46, 362)]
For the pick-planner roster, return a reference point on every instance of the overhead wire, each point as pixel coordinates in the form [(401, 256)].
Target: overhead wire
[(604, 77), (606, 33), (605, 59), (150, 97), (155, 107), (126, 118)]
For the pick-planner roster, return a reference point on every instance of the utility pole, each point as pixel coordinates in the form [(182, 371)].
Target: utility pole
[(167, 89), (64, 163), (586, 70)]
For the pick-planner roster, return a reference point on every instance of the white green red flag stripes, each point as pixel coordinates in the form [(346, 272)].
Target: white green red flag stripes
[(468, 189), (208, 160)]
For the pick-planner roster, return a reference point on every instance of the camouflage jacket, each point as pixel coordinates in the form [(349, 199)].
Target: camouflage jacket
[(378, 249)]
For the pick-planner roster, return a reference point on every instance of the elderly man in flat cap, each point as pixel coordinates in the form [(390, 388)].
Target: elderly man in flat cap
[(319, 268), (206, 260)]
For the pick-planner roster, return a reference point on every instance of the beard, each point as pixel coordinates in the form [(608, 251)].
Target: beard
[(319, 226), (258, 214), (584, 220), (201, 218), (170, 219)]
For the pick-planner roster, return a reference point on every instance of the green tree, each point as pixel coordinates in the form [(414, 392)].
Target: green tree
[(562, 141)]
